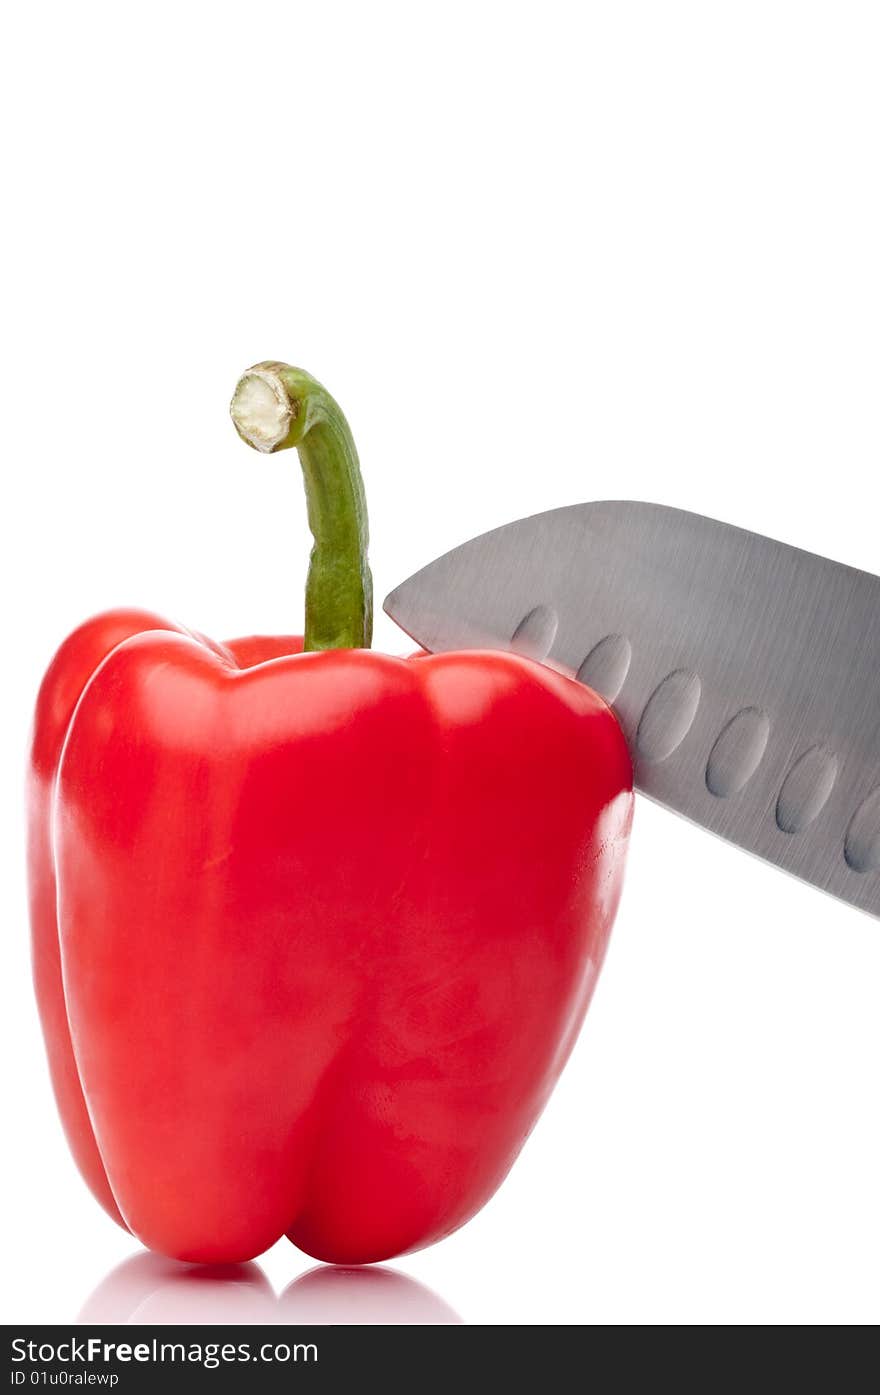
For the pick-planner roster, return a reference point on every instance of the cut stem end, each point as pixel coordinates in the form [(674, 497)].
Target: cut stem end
[(262, 410)]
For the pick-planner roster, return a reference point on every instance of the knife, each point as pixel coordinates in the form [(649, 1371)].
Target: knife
[(745, 673)]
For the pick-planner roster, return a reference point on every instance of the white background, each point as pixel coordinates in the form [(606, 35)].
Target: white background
[(540, 254)]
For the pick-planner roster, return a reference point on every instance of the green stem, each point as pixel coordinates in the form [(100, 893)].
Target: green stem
[(275, 407)]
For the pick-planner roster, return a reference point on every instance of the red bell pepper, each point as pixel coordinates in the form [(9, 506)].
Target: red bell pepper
[(313, 932)]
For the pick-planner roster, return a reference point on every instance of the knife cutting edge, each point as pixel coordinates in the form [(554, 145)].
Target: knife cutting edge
[(745, 673)]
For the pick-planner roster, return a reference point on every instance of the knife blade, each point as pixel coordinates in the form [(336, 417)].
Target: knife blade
[(745, 673)]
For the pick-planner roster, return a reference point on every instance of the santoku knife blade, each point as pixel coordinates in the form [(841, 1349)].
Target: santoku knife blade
[(745, 673)]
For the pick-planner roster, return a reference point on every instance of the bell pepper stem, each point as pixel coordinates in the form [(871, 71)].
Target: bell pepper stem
[(273, 408)]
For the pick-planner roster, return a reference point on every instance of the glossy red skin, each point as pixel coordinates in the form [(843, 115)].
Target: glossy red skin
[(328, 926)]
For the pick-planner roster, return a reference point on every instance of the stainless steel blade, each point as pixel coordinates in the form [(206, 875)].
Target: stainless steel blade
[(745, 673)]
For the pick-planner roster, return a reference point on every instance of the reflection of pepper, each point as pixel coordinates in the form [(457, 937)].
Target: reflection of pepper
[(313, 932)]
